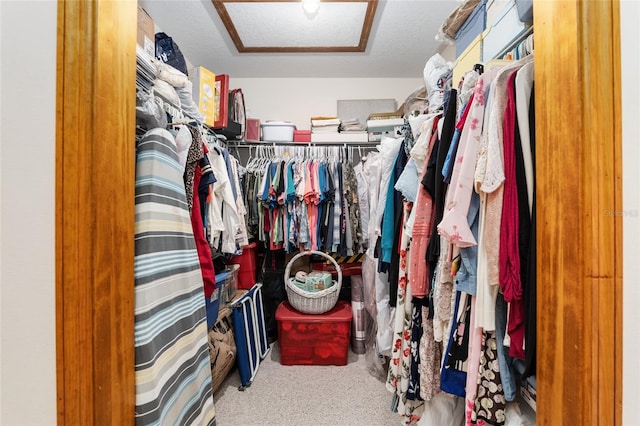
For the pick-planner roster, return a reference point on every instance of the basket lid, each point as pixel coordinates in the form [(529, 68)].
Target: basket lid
[(340, 313)]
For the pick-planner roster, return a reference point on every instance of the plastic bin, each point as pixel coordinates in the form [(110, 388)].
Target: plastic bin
[(314, 339), (247, 266), (277, 131), (229, 281)]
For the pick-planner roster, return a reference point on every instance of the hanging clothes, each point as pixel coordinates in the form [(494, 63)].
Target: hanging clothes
[(398, 377), (170, 320), (195, 156), (310, 204)]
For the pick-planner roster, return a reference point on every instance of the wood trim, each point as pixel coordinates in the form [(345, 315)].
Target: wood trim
[(578, 181), (94, 211), (237, 40), (578, 169)]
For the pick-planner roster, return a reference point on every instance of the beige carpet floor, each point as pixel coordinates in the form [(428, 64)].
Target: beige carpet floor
[(306, 395)]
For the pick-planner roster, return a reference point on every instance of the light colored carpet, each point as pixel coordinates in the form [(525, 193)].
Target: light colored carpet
[(306, 395)]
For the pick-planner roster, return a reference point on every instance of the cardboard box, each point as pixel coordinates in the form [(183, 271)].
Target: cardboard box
[(146, 32), (204, 83)]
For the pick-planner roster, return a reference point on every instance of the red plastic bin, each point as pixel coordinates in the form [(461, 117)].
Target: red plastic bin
[(308, 339), (247, 262)]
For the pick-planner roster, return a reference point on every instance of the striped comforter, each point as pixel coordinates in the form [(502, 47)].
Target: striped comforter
[(173, 373)]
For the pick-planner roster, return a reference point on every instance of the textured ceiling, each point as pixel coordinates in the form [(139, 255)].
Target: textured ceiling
[(401, 41)]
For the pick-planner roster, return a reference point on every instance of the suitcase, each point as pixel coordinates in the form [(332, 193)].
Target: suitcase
[(250, 332)]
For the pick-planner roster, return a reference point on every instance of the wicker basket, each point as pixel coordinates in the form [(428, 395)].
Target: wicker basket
[(312, 302)]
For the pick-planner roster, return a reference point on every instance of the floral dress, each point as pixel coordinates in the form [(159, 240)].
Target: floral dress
[(400, 363), (490, 403)]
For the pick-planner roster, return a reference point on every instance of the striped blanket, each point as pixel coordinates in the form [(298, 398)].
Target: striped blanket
[(173, 372)]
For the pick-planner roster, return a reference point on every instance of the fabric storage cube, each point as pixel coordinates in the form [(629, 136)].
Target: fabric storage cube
[(472, 27), (308, 339)]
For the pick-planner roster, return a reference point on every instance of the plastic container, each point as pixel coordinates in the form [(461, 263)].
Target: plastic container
[(247, 266), (314, 339), (277, 131), (226, 287), (472, 27), (212, 306)]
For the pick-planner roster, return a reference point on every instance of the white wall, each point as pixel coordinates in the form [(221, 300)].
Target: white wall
[(298, 99), (630, 16), (27, 188)]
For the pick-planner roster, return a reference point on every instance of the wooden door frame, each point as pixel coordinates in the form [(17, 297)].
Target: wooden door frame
[(579, 191), (578, 181)]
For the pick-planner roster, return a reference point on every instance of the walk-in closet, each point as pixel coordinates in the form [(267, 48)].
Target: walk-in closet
[(435, 269)]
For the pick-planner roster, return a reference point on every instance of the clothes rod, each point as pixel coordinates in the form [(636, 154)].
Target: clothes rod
[(241, 144)]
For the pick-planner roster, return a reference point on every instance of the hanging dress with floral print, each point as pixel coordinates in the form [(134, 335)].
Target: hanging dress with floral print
[(400, 364)]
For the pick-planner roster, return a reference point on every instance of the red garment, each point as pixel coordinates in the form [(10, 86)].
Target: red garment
[(509, 255), (202, 245)]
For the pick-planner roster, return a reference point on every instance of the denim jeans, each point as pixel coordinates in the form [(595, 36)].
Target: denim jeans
[(507, 372)]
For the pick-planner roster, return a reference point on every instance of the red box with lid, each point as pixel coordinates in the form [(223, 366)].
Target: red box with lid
[(308, 339), (302, 135)]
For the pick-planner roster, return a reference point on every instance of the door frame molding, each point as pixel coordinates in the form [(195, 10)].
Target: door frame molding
[(579, 189), (95, 158), (578, 167)]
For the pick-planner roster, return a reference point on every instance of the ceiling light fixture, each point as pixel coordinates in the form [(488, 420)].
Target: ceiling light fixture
[(311, 6)]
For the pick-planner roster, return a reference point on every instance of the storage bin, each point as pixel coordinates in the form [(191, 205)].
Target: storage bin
[(465, 62), (472, 27), (253, 129), (302, 135), (502, 32), (314, 339), (277, 131), (228, 280), (247, 266), (212, 306)]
